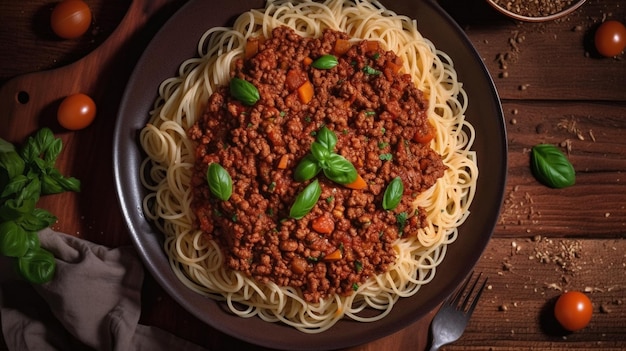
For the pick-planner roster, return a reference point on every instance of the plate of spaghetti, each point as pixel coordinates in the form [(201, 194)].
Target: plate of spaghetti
[(305, 175)]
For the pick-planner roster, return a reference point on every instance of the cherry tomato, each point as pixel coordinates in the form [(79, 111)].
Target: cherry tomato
[(573, 310), (610, 38), (70, 19), (76, 112)]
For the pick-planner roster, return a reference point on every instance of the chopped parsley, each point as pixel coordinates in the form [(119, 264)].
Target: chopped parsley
[(371, 71), (401, 221), (385, 157), (358, 266)]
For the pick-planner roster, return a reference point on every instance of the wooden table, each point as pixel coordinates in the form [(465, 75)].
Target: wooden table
[(554, 89)]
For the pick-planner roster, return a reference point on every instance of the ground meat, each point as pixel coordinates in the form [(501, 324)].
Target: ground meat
[(376, 114)]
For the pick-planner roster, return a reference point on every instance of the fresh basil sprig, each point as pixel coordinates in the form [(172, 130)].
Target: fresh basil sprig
[(306, 200), (393, 194), (244, 91), (220, 182), (25, 175), (37, 265), (323, 158), (325, 62), (308, 168), (551, 167)]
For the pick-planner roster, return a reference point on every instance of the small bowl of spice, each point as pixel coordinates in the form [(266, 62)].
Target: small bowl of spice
[(536, 10)]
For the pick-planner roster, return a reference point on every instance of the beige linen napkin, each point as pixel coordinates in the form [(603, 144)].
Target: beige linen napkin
[(93, 303)]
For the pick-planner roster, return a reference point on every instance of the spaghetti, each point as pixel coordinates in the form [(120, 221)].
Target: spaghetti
[(168, 170)]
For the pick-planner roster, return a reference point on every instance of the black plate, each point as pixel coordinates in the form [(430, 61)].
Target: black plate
[(177, 41)]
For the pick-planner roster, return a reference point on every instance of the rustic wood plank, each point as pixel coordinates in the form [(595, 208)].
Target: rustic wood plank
[(25, 33), (591, 134), (525, 278), (86, 155), (553, 60)]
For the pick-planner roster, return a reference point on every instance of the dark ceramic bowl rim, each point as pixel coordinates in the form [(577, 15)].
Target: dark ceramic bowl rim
[(160, 60)]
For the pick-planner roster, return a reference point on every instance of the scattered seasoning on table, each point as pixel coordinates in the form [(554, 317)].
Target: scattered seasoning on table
[(534, 8), (511, 55)]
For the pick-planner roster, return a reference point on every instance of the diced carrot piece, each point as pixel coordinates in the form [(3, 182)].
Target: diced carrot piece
[(323, 224), (371, 46), (395, 68), (358, 184), (283, 161), (341, 47), (305, 92), (295, 78), (251, 48), (307, 61), (334, 256)]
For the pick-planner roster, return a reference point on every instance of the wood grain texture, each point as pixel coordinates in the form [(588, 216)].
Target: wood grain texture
[(554, 89)]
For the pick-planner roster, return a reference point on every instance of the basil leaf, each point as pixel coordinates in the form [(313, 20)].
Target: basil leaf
[(50, 185), (13, 239), (30, 150), (52, 152), (551, 167), (306, 200), (37, 220), (30, 191), (220, 182), (12, 163), (70, 183), (44, 139), (13, 209), (39, 166), (6, 146), (244, 91), (37, 266), (15, 186), (306, 169), (327, 138), (54, 182), (340, 170), (320, 152), (32, 240), (325, 62), (393, 194)]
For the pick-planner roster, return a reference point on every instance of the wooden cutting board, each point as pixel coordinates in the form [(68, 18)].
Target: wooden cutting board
[(30, 101)]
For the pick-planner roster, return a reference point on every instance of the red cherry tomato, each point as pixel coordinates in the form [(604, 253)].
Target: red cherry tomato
[(76, 112), (70, 19), (610, 38), (573, 310)]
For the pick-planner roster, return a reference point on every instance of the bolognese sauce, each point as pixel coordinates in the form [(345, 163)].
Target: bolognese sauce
[(379, 119)]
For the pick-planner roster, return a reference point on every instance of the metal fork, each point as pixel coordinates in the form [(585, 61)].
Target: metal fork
[(450, 322)]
